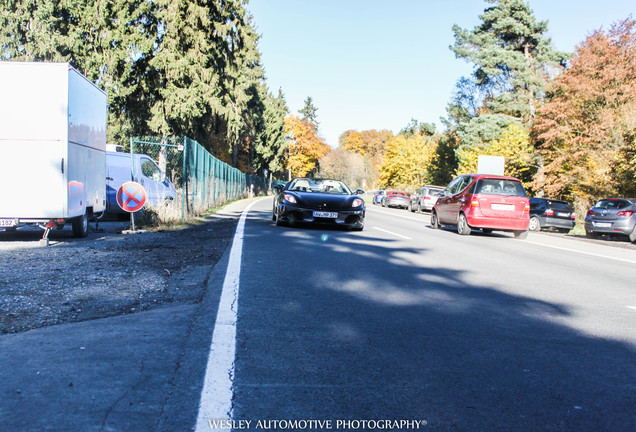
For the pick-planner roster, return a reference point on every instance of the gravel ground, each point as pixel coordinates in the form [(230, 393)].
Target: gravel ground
[(107, 273)]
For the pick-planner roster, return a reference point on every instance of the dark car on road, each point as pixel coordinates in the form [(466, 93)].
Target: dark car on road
[(307, 200), (549, 213), (612, 216), (485, 202), (425, 198), (395, 199)]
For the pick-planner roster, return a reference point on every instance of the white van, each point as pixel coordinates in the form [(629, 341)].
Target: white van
[(52, 147), (144, 170)]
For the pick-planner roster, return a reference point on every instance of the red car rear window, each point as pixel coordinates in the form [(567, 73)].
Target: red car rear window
[(500, 187)]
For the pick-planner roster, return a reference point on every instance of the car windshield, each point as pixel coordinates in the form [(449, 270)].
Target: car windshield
[(612, 204), (335, 187), (500, 187)]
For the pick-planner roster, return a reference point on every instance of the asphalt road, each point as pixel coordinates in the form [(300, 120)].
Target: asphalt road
[(339, 330), (403, 322)]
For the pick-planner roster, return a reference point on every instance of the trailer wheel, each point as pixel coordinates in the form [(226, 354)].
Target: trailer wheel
[(80, 225)]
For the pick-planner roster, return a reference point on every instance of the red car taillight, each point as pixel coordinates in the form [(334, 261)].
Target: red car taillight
[(625, 213), (549, 212), (590, 213), (474, 203)]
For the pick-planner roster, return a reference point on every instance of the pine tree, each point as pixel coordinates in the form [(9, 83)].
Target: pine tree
[(512, 56), (309, 111)]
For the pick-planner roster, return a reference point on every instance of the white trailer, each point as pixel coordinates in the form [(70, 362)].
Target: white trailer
[(52, 147)]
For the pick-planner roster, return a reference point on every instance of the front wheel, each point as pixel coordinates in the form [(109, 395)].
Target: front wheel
[(80, 225), (534, 224), (462, 225)]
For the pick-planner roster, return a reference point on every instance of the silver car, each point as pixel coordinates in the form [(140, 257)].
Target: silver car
[(425, 198), (612, 216)]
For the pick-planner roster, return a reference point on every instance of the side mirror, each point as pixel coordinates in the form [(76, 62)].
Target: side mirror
[(278, 188), (359, 192)]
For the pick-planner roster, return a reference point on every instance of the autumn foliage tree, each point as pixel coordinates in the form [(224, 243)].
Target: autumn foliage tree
[(513, 144), (371, 145), (586, 131), (407, 160), (304, 146), (348, 166)]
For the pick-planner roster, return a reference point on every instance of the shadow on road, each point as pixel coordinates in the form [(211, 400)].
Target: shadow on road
[(337, 326)]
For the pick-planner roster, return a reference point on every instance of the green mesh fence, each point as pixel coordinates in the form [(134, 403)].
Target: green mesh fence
[(201, 180)]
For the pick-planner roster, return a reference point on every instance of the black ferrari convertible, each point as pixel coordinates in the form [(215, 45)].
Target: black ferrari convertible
[(307, 200)]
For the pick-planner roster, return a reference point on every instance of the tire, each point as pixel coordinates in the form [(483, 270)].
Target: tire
[(80, 225), (632, 236), (419, 207), (383, 203), (520, 234), (277, 220), (410, 208), (434, 220), (462, 225), (535, 224)]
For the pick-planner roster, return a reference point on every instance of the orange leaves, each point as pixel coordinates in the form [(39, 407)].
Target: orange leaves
[(304, 145), (585, 131)]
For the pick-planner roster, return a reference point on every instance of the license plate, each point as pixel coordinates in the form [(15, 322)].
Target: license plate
[(563, 214), (7, 223), (502, 207), (602, 224), (323, 214)]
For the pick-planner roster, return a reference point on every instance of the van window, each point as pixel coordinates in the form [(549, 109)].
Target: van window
[(150, 170), (500, 187)]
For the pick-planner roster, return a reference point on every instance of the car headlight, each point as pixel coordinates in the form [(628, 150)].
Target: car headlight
[(356, 203), (290, 198)]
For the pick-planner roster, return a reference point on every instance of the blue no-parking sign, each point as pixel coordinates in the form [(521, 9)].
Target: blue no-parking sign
[(131, 197)]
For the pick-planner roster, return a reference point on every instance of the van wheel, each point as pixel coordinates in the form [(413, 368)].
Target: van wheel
[(462, 225), (80, 225)]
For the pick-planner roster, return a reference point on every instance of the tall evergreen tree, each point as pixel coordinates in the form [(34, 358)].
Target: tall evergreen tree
[(309, 111), (512, 56)]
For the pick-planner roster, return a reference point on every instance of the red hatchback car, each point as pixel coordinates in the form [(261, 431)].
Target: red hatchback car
[(486, 202)]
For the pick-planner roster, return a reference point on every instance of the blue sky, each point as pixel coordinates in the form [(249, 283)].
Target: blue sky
[(371, 64)]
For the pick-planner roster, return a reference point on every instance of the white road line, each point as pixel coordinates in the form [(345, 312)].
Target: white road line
[(216, 395), (373, 209), (392, 233), (582, 252)]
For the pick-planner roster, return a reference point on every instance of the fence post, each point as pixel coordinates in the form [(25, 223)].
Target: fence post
[(184, 178)]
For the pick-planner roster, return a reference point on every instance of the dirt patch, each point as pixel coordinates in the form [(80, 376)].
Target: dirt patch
[(107, 273)]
